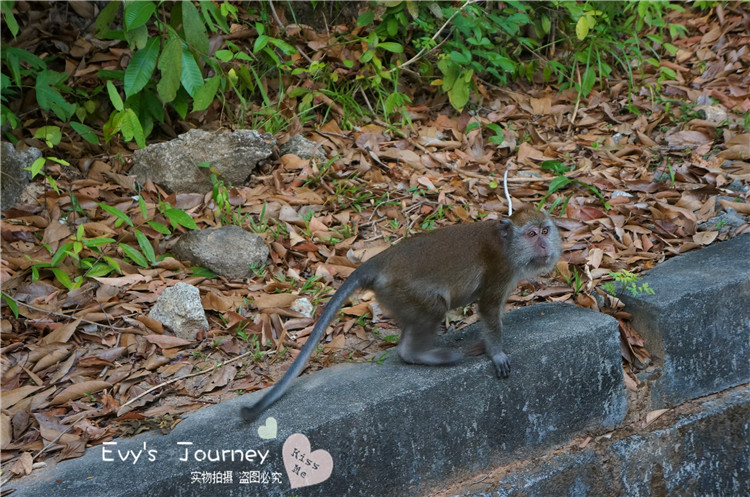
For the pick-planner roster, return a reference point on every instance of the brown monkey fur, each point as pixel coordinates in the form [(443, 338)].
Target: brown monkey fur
[(421, 278)]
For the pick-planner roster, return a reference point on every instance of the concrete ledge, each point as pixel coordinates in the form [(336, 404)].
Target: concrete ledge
[(391, 429), (702, 453), (697, 325)]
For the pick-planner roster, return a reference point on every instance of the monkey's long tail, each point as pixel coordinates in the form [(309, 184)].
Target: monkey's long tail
[(354, 281)]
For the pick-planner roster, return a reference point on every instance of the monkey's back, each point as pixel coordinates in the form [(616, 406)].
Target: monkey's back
[(450, 261)]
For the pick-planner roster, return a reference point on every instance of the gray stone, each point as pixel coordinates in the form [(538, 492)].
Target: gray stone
[(713, 113), (174, 164), (14, 177), (725, 221), (697, 324), (228, 251), (302, 147), (738, 186), (391, 428), (179, 308)]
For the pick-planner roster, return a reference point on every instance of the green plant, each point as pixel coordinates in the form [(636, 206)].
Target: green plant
[(429, 222), (36, 168), (79, 258), (11, 303), (351, 193), (379, 359), (258, 269), (311, 286), (262, 226), (562, 181), (627, 281), (178, 50), (575, 280), (220, 194)]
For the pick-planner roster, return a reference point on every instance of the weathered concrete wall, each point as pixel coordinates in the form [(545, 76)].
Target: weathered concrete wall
[(391, 429), (697, 324), (400, 430), (703, 453)]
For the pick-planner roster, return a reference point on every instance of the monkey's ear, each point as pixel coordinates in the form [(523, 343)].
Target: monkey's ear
[(505, 228)]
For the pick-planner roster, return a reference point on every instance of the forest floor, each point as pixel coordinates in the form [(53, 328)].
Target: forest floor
[(646, 173)]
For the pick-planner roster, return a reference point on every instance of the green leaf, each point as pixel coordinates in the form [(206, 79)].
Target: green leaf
[(159, 227), (12, 305), (365, 19), (218, 14), (131, 128), (589, 78), (146, 247), (141, 67), (36, 167), (367, 56), (668, 72), (285, 47), (137, 13), (98, 270), (206, 93), (224, 55), (202, 272), (143, 207), (50, 134), (460, 58), (472, 125), (180, 103), (49, 98), (450, 73), (112, 262), (459, 94), (391, 47), (260, 43), (180, 217), (53, 184), (106, 16), (97, 242), (12, 24), (86, 133), (554, 165), (190, 77), (137, 38), (121, 216), (134, 255), (170, 66), (557, 184), (582, 28), (63, 278), (114, 97), (195, 31)]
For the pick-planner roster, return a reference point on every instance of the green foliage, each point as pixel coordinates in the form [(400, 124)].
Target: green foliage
[(96, 257), (575, 280), (12, 305), (627, 281), (174, 68), (561, 182)]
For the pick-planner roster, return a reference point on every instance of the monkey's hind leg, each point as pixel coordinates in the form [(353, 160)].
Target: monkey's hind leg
[(419, 313), (417, 346)]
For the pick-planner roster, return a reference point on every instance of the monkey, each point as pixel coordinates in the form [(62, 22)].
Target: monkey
[(422, 277)]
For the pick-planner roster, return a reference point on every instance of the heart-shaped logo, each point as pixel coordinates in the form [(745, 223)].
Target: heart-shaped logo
[(305, 468), (268, 430)]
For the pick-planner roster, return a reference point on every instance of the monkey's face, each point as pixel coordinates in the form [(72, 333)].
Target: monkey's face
[(541, 243)]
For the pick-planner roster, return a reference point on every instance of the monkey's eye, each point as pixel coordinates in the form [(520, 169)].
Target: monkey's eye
[(545, 231), (531, 234)]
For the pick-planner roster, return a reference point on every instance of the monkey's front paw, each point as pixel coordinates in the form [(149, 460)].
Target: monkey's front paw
[(502, 364)]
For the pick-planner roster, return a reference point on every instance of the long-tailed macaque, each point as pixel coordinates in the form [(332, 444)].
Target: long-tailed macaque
[(419, 279)]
